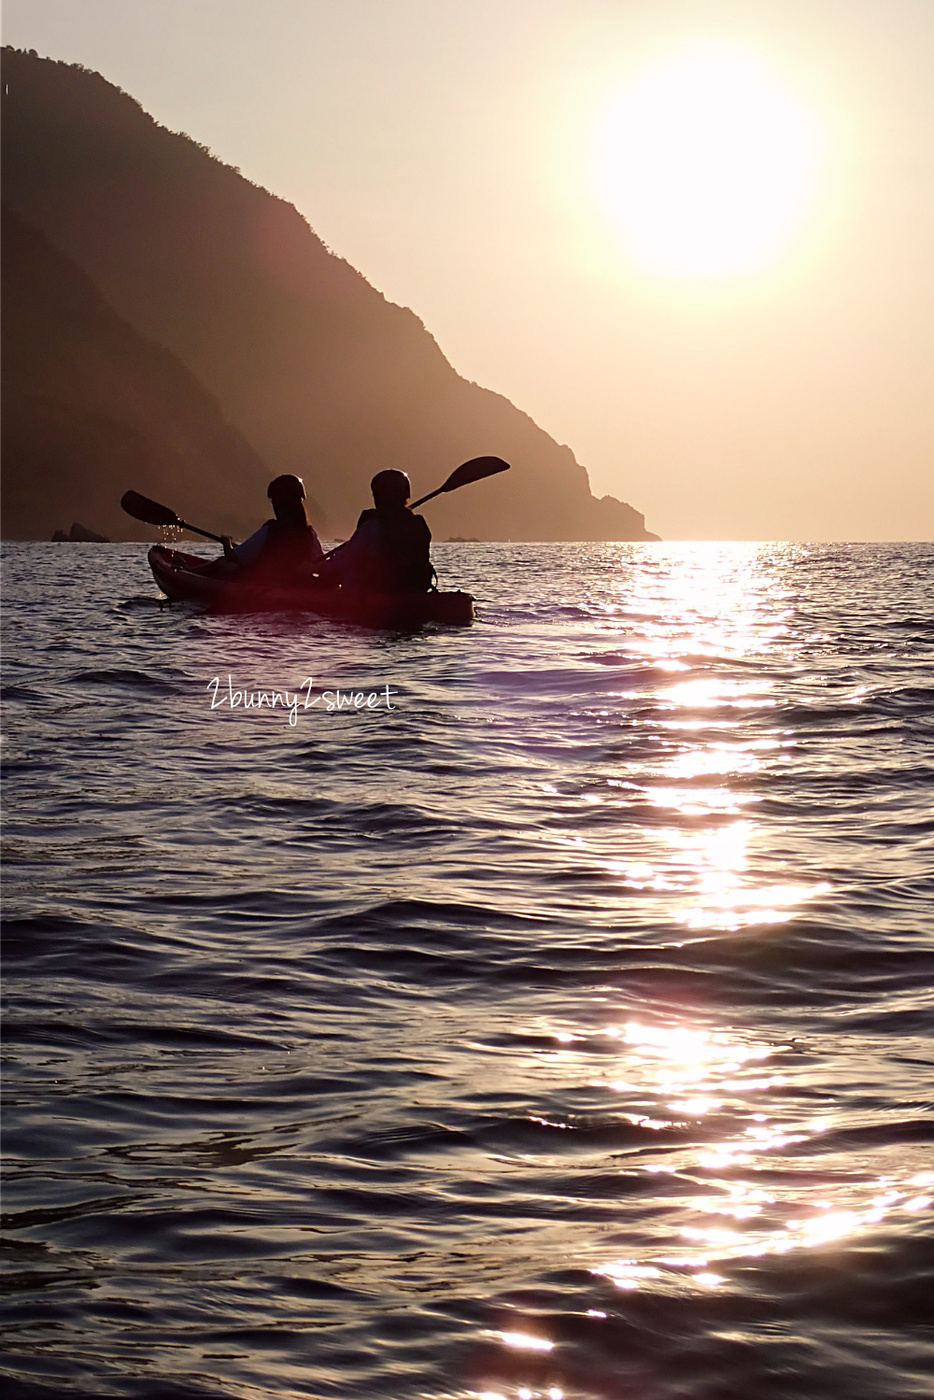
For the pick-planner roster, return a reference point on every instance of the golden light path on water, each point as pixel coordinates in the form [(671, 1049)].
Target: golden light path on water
[(693, 1075), (744, 1198), (715, 607)]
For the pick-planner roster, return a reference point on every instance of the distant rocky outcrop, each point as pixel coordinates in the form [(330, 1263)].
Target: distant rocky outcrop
[(79, 534), (307, 366)]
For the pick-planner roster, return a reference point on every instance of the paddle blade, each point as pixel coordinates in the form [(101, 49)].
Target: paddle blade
[(142, 508), (474, 470)]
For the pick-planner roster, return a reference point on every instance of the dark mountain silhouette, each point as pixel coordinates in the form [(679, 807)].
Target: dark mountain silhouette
[(315, 368), (89, 405)]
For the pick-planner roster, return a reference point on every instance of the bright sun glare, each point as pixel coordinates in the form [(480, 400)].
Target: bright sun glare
[(705, 164)]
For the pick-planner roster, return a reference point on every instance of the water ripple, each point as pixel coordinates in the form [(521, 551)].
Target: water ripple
[(563, 1031)]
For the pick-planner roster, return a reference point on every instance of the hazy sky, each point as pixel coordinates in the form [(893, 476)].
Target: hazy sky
[(450, 150)]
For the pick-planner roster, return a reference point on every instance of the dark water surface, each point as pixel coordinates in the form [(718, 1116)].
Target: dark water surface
[(562, 1031)]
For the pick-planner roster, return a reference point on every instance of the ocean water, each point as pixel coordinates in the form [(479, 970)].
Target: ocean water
[(553, 1022)]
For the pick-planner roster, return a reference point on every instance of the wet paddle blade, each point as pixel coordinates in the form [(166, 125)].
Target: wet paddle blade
[(150, 512)]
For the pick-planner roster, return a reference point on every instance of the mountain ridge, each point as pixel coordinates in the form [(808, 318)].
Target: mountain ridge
[(88, 404), (318, 372)]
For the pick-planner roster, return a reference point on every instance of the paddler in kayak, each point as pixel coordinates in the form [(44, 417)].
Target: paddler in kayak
[(282, 547), (389, 552)]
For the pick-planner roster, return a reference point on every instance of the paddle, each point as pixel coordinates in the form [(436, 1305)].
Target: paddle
[(151, 513), (474, 470)]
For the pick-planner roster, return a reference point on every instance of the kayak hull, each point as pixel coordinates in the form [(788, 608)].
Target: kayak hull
[(177, 574)]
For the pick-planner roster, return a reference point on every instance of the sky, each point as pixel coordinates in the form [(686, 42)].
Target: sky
[(509, 169)]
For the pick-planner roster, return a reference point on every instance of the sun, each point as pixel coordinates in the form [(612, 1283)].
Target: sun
[(705, 165)]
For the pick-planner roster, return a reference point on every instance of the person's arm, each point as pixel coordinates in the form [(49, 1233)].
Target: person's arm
[(352, 562), (250, 549)]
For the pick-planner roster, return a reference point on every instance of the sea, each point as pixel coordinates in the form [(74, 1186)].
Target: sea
[(534, 1010)]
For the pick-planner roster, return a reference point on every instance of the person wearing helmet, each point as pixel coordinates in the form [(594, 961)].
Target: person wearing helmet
[(282, 546), (389, 552)]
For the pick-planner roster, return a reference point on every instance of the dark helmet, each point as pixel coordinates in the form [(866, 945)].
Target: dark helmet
[(286, 488), (391, 488)]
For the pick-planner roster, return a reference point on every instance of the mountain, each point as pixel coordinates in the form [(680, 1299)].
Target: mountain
[(308, 363), (89, 405)]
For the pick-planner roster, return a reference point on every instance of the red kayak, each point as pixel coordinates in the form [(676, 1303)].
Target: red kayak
[(180, 578)]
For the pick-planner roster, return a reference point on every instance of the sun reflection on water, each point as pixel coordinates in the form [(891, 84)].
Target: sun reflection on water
[(745, 1196), (713, 624), (713, 600), (524, 1392), (523, 1341), (720, 661), (723, 1121)]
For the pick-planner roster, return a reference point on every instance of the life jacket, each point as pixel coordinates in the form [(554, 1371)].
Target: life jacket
[(395, 554)]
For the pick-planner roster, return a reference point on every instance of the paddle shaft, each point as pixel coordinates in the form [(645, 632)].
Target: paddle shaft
[(183, 525), (430, 497)]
